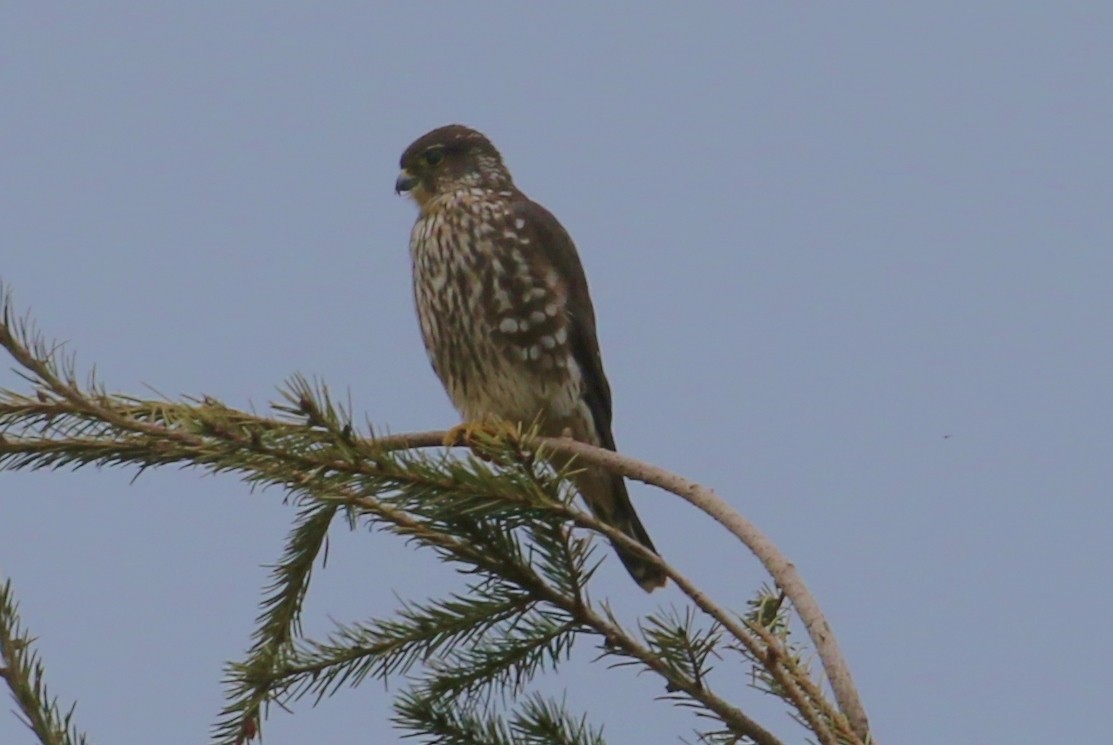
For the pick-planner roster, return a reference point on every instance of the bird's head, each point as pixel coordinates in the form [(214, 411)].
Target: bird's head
[(450, 159)]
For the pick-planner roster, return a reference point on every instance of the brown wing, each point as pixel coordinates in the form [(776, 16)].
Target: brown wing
[(583, 343), (604, 492)]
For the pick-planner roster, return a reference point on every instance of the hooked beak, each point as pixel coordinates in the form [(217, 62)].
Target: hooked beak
[(405, 182)]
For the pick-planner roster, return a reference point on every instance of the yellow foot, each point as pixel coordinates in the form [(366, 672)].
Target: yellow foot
[(472, 434)]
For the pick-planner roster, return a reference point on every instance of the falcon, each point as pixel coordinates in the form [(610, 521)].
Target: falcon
[(506, 316)]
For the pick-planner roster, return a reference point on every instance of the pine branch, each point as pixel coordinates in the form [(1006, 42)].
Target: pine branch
[(502, 518), (392, 646), (784, 674), (674, 637), (23, 672), (539, 721), (617, 639), (250, 683), (775, 562), (435, 721), (504, 661), (536, 721)]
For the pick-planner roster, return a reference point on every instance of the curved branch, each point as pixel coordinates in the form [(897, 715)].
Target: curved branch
[(771, 655), (776, 563)]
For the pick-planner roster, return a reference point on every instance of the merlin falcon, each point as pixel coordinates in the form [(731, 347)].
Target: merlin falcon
[(505, 313)]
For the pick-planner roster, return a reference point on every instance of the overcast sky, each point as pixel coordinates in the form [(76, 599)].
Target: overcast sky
[(851, 263)]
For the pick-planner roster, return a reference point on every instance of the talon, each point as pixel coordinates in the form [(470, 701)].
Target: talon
[(469, 433), (461, 434)]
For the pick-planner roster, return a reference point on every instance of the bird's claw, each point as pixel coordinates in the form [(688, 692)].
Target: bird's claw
[(479, 435), (461, 434), (473, 433)]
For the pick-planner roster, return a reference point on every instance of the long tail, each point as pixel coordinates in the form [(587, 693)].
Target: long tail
[(606, 495)]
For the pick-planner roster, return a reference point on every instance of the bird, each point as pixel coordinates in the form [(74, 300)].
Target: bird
[(506, 317)]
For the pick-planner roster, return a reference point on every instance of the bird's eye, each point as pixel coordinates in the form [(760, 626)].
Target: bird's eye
[(433, 157)]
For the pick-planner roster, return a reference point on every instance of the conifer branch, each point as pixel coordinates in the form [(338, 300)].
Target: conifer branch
[(393, 646), (775, 562), (497, 514), (543, 722), (22, 671), (764, 649), (536, 721), (249, 683)]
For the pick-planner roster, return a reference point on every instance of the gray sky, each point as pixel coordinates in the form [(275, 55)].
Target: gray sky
[(851, 264)]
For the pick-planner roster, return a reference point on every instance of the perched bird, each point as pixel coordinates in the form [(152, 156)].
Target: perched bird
[(505, 313)]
